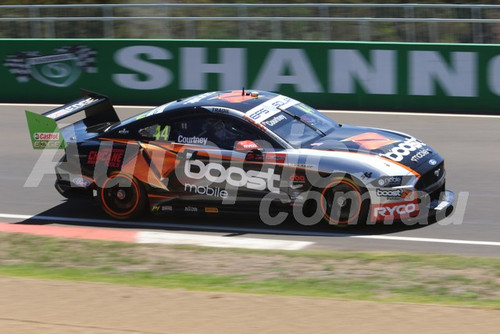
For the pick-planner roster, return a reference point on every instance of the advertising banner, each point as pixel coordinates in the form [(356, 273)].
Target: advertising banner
[(333, 75)]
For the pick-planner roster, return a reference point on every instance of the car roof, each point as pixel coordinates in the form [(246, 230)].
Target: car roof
[(241, 100), (232, 100)]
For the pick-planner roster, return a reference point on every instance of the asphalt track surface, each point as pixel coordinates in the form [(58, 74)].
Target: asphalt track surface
[(470, 145)]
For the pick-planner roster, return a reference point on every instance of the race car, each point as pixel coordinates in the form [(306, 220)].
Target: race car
[(245, 151)]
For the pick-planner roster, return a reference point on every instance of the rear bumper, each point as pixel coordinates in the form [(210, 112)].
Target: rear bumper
[(69, 190)]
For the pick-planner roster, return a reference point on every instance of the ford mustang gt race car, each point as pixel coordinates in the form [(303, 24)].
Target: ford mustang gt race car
[(241, 151)]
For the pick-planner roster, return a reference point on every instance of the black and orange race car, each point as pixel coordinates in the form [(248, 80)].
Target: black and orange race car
[(241, 151)]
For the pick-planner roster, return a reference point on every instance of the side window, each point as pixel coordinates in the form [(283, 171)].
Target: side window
[(189, 131), (209, 130), (226, 132)]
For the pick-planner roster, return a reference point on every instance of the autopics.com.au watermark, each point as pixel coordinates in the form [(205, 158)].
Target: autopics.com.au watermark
[(293, 190)]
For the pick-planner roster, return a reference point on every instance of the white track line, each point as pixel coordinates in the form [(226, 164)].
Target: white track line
[(147, 224), (169, 238)]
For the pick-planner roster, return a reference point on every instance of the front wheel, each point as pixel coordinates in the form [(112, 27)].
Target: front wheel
[(344, 203), (122, 197)]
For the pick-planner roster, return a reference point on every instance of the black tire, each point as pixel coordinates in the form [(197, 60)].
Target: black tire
[(344, 203), (122, 197)]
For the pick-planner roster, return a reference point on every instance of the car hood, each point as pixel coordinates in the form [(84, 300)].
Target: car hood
[(396, 146)]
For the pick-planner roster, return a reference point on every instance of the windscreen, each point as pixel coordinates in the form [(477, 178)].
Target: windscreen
[(300, 125)]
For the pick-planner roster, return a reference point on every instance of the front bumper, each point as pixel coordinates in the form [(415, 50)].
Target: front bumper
[(443, 206)]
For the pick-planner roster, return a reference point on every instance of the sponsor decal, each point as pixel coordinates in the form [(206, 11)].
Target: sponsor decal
[(190, 209), (433, 162), (110, 157), (306, 166), (390, 181), (81, 182), (298, 178), (78, 105), (275, 120), (211, 210), (393, 193), (46, 144), (420, 154), (218, 110), (246, 145), (297, 181), (235, 96), (394, 210), (155, 111), (166, 208), (157, 208), (60, 69), (192, 140), (275, 157), (370, 140), (46, 136), (404, 149), (270, 108), (234, 176), (197, 98), (206, 190)]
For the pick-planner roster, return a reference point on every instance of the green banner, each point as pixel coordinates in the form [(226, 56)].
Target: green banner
[(334, 75)]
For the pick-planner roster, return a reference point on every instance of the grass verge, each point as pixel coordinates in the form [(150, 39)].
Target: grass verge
[(441, 279)]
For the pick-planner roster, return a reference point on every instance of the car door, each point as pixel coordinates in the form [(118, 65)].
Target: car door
[(225, 161)]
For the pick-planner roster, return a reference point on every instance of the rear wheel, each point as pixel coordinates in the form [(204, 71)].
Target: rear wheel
[(122, 197), (345, 203)]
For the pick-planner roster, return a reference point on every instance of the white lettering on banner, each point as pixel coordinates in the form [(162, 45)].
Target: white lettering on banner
[(193, 68), (456, 73), (348, 67), (132, 58), (234, 176), (493, 71), (295, 63), (428, 68)]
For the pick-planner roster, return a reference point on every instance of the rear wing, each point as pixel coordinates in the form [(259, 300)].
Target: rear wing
[(45, 133)]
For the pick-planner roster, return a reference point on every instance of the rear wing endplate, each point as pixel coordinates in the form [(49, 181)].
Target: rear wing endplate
[(45, 133)]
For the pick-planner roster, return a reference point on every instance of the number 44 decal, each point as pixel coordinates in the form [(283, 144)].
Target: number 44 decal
[(162, 133)]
